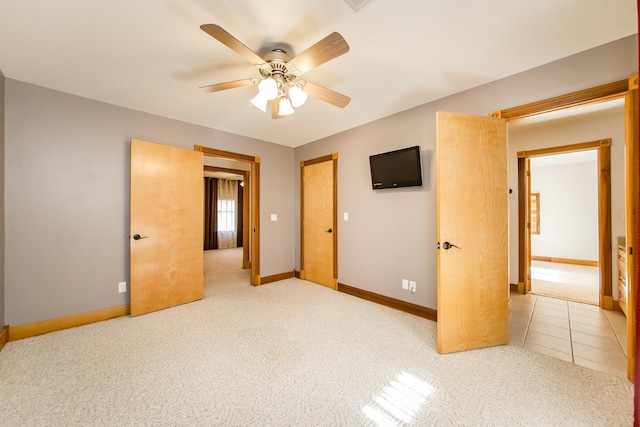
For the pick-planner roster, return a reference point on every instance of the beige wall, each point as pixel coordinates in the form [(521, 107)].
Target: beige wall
[(391, 235), (587, 127), (67, 198)]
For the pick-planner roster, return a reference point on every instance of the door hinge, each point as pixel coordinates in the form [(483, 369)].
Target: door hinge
[(529, 276), (528, 173), (528, 225)]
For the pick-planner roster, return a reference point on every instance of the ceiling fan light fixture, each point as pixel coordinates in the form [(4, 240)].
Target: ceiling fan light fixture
[(260, 101), (268, 88), (297, 96), (285, 107)]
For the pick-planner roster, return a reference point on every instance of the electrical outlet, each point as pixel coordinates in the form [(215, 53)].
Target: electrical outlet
[(405, 284), (412, 286), (122, 287)]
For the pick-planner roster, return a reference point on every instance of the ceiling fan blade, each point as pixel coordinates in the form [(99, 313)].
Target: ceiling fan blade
[(228, 85), (327, 95), (218, 33), (325, 50)]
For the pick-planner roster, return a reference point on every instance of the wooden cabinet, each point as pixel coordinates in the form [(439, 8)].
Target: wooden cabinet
[(622, 278)]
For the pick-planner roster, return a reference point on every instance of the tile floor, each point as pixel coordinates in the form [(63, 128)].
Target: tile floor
[(575, 332)]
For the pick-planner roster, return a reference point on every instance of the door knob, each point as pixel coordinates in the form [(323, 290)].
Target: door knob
[(138, 237), (446, 246), (329, 231)]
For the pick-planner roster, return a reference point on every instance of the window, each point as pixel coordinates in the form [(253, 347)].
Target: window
[(534, 213), (226, 215)]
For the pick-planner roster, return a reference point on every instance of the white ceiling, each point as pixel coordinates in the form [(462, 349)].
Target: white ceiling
[(150, 55)]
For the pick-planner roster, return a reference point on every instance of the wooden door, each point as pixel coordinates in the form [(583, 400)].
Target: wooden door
[(166, 226), (472, 214), (319, 222)]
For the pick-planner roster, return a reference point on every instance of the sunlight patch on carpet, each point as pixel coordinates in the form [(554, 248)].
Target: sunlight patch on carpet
[(399, 401)]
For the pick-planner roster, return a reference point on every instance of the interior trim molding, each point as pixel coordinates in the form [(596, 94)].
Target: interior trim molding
[(599, 93), (407, 307), (565, 260), (603, 148), (277, 277), (606, 302), (66, 322), (4, 337), (251, 245)]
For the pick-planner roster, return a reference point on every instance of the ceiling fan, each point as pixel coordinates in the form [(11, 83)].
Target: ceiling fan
[(280, 83)]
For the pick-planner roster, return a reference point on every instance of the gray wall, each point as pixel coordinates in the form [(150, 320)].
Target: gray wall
[(2, 317), (67, 171), (67, 198), (391, 235)]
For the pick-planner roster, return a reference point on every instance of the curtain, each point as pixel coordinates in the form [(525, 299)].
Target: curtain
[(210, 213), (227, 214), (240, 215)]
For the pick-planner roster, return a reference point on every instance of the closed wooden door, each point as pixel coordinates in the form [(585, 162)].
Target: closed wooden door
[(319, 224), (472, 224), (166, 226)]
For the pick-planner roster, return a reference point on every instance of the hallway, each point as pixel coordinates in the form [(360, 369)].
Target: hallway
[(579, 333)]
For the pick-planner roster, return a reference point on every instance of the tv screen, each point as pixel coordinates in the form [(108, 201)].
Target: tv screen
[(395, 169)]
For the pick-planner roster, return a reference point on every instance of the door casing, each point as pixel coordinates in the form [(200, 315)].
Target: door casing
[(254, 201), (246, 220), (627, 89), (603, 148)]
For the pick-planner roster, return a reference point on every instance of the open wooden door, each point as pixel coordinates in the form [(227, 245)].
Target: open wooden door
[(319, 243), (472, 232), (166, 226)]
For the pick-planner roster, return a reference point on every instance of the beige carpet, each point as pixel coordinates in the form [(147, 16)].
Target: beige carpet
[(565, 281), (290, 353)]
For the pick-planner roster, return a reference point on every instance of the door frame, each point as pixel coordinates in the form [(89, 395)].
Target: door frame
[(251, 241), (605, 265), (627, 89), (246, 220), (334, 159)]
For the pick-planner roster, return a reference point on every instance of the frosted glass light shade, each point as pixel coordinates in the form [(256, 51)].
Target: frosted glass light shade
[(298, 96), (260, 101), (268, 88), (285, 107)]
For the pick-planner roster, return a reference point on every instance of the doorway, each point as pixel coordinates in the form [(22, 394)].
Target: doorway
[(624, 89), (226, 221), (251, 207), (563, 219), (603, 221)]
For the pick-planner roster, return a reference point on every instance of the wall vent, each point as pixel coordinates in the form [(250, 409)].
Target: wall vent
[(357, 4)]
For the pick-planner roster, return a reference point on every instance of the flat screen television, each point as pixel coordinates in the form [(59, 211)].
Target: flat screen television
[(395, 169)]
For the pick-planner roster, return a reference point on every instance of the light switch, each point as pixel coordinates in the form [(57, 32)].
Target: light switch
[(274, 217), (346, 216)]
